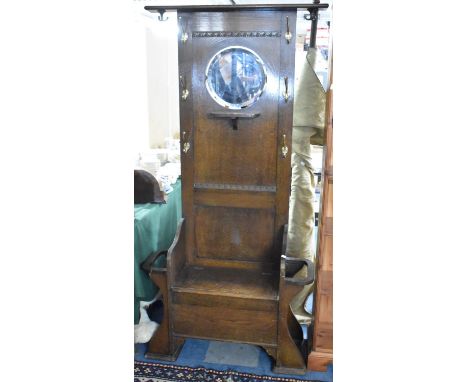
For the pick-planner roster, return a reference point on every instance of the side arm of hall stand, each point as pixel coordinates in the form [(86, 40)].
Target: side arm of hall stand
[(290, 356), (322, 337), (163, 345)]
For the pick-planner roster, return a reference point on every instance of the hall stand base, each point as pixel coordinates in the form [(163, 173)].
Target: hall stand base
[(290, 358), (162, 345), (288, 350), (166, 357)]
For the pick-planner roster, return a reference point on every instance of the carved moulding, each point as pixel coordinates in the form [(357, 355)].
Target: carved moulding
[(236, 34)]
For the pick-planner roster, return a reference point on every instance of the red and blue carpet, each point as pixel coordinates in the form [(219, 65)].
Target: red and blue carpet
[(156, 372)]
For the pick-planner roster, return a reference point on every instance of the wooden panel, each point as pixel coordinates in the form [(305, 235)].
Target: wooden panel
[(225, 155), (235, 264), (325, 284), (234, 233), (328, 225), (185, 52), (230, 158), (238, 21), (325, 313), (285, 119), (326, 262), (234, 199), (328, 207), (229, 324), (220, 301), (324, 338)]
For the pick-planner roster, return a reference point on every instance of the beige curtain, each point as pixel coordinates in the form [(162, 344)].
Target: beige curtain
[(308, 125)]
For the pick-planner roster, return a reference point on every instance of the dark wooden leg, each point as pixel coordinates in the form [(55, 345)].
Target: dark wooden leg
[(163, 345), (290, 359), (271, 351)]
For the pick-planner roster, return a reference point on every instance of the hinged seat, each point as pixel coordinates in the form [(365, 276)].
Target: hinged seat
[(211, 302), (228, 282)]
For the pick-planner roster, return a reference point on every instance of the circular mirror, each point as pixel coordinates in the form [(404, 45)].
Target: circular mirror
[(235, 77)]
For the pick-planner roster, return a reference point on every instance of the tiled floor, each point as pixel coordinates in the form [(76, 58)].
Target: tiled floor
[(227, 356)]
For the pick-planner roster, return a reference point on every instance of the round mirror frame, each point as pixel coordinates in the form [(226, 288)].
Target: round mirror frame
[(217, 97)]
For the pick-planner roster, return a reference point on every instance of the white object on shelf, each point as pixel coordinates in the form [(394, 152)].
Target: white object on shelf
[(150, 162), (152, 154), (169, 173), (173, 156), (172, 144)]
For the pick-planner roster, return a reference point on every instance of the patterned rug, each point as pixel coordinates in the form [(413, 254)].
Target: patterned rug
[(156, 372)]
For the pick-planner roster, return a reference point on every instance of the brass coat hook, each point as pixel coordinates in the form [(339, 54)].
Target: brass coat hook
[(284, 148), (184, 35), (288, 35), (183, 84), (185, 143), (286, 89)]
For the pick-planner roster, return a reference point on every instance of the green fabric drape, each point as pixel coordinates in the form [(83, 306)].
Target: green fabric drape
[(155, 227)]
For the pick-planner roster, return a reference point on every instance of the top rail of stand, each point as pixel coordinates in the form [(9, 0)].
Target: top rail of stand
[(234, 7)]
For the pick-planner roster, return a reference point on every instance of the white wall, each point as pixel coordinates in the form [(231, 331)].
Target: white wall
[(136, 64), (163, 85)]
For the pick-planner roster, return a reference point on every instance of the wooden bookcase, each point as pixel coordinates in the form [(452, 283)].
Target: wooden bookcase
[(322, 336)]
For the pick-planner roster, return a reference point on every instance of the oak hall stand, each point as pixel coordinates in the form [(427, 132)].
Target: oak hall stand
[(227, 276)]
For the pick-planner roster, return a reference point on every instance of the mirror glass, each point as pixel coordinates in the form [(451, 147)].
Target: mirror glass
[(235, 77)]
